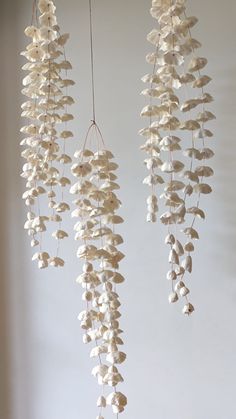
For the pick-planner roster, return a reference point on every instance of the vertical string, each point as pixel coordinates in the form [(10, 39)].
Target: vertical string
[(92, 58)]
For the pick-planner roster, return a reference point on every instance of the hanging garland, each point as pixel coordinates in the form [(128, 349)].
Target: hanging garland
[(175, 122), (45, 110), (96, 208)]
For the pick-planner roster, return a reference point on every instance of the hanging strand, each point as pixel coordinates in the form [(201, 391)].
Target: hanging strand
[(97, 212), (92, 59)]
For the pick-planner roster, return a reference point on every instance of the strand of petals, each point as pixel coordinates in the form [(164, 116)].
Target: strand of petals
[(87, 337), (173, 256), (103, 269), (193, 145), (102, 402), (97, 166), (96, 209), (192, 160), (153, 205), (170, 54), (202, 128), (34, 240), (191, 165), (43, 86), (176, 249), (64, 180)]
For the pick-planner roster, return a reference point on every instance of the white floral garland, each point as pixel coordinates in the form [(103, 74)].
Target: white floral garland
[(46, 107), (97, 204), (175, 65)]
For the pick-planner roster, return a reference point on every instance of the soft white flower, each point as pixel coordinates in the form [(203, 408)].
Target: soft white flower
[(188, 309), (81, 169), (46, 6), (32, 32), (48, 19)]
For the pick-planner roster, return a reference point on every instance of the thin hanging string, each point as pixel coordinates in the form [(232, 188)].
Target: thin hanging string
[(93, 128), (92, 58)]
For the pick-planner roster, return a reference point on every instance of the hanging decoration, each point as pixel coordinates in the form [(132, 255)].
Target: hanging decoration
[(176, 138), (96, 208), (46, 110)]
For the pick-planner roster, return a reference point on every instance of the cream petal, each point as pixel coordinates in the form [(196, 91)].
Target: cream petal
[(153, 180), (189, 247), (187, 264), (59, 234), (170, 239), (46, 6), (204, 171), (196, 64), (206, 153), (173, 257), (188, 309), (191, 233), (63, 39), (179, 285), (173, 166), (101, 402), (201, 81), (196, 211), (173, 297), (48, 19), (202, 188), (171, 275), (178, 248), (184, 291)]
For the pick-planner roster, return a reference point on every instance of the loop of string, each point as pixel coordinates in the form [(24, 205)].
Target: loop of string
[(93, 128)]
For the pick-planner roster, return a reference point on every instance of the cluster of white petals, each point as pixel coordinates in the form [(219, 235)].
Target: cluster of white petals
[(45, 110), (96, 206), (176, 138)]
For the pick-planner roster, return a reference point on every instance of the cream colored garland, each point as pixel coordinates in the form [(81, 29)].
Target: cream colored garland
[(96, 208), (45, 152), (176, 67)]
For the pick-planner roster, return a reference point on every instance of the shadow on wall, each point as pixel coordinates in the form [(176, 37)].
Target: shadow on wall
[(4, 296), (4, 326), (225, 150), (12, 307)]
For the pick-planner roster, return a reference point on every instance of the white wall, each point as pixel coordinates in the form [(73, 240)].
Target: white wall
[(177, 368)]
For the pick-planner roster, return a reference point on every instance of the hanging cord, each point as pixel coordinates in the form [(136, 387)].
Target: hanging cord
[(92, 59), (93, 130)]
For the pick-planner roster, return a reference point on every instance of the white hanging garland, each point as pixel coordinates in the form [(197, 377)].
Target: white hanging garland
[(45, 109), (96, 209), (176, 67)]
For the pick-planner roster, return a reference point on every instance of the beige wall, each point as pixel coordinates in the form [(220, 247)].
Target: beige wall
[(188, 367)]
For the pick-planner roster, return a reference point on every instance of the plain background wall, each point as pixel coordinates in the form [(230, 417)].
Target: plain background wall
[(177, 368)]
